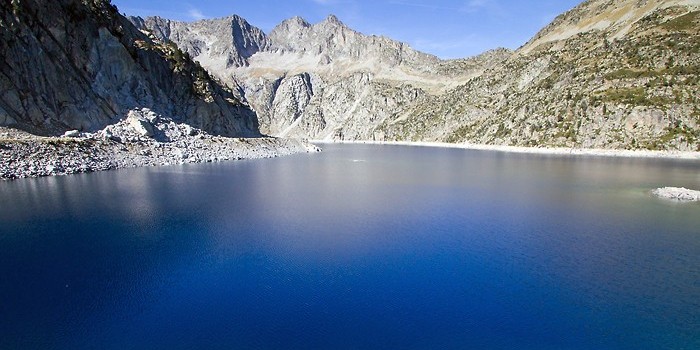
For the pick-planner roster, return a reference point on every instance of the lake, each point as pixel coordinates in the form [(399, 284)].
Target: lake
[(358, 247)]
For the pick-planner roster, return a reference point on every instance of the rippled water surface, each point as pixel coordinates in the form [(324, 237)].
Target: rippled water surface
[(359, 247)]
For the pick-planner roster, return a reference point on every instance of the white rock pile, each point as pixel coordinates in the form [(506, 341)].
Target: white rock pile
[(677, 193), (143, 138)]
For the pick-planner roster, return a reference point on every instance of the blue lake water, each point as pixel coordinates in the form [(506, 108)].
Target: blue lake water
[(359, 247)]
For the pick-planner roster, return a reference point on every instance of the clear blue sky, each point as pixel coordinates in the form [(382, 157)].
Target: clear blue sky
[(447, 28)]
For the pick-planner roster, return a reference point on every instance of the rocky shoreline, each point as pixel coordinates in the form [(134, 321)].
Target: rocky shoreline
[(687, 155), (142, 139)]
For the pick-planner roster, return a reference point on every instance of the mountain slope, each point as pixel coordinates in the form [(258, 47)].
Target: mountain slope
[(608, 74), (615, 18), (71, 64)]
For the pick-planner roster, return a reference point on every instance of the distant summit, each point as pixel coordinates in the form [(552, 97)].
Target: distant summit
[(333, 20), (228, 42), (295, 21)]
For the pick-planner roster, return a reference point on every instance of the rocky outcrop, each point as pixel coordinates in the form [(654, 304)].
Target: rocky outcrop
[(616, 18), (331, 40), (80, 65), (680, 194)]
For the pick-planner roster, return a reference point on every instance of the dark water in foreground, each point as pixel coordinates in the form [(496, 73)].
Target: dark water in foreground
[(360, 247)]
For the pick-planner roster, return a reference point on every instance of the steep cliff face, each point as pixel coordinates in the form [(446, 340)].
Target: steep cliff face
[(608, 74), (78, 64), (318, 81)]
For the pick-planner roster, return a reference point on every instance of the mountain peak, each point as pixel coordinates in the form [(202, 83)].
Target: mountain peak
[(295, 21), (333, 20), (235, 18)]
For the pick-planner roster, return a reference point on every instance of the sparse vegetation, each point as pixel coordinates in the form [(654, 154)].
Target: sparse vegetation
[(682, 132), (636, 96), (627, 73), (683, 23)]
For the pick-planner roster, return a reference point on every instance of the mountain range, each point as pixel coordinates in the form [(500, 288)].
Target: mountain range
[(616, 74)]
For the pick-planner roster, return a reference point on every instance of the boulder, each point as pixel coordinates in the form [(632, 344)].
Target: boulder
[(72, 133), (140, 124)]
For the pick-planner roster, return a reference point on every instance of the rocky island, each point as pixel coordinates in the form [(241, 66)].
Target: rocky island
[(677, 194)]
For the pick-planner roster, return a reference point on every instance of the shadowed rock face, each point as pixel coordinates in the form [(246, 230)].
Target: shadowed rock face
[(78, 64)]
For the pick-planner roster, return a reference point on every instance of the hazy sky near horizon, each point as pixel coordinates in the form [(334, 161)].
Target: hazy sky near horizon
[(447, 28)]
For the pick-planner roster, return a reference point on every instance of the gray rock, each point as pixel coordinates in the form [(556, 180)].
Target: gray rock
[(108, 135), (229, 41), (140, 124), (189, 131)]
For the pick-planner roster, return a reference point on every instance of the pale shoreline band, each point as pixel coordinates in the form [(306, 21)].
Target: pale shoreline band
[(535, 150)]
